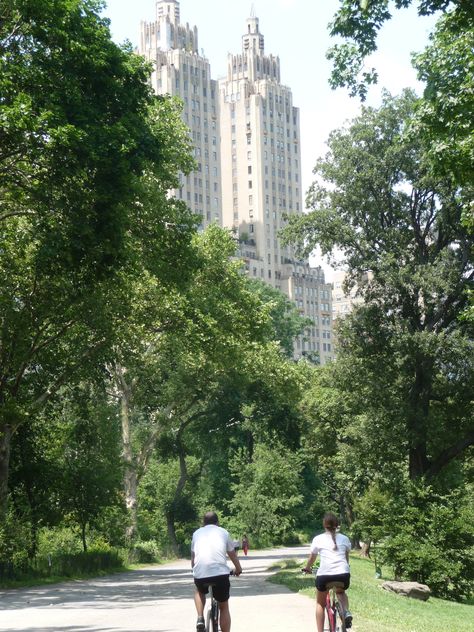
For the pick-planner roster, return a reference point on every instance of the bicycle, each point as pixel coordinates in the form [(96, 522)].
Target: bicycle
[(334, 610), (212, 614), (335, 614)]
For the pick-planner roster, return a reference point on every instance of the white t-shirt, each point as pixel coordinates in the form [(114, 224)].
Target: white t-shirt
[(332, 562), (210, 545)]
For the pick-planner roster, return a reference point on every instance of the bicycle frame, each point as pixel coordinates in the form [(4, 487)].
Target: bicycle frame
[(212, 615), (334, 610)]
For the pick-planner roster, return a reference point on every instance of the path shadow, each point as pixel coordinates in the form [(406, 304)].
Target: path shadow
[(82, 628), (152, 586)]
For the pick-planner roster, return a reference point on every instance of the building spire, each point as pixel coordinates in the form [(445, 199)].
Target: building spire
[(252, 10)]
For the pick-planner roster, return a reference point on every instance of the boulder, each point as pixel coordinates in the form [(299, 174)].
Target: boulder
[(408, 589)]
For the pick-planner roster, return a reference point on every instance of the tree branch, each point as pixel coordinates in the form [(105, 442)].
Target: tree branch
[(15, 214), (449, 454)]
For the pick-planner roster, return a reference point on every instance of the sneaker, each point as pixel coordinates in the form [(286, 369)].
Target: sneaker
[(200, 625), (348, 619)]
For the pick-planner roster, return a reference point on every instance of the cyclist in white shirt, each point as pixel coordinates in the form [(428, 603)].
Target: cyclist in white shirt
[(333, 550), (209, 550)]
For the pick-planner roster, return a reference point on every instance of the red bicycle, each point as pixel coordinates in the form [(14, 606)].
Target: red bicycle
[(335, 614), (334, 610)]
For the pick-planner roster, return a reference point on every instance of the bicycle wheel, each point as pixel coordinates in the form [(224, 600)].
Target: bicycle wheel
[(215, 616), (208, 620), (331, 616), (340, 618)]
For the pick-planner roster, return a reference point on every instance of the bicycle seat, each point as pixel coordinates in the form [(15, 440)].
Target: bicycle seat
[(334, 585)]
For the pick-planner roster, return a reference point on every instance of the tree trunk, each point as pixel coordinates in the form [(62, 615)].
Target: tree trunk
[(131, 484), (172, 532), (6, 432), (170, 514), (130, 473), (83, 537), (365, 550), (418, 420)]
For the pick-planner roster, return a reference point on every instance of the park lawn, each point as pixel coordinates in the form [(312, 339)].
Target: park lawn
[(376, 610)]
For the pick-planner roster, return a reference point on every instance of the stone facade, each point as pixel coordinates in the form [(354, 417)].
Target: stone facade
[(246, 133)]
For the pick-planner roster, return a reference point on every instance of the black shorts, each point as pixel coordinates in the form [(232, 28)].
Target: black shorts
[(322, 581), (220, 586)]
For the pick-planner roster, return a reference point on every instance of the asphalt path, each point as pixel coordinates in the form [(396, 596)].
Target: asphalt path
[(158, 598)]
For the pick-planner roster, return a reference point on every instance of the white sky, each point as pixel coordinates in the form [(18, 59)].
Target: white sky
[(296, 31)]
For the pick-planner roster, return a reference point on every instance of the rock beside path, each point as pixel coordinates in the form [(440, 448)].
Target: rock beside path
[(408, 589)]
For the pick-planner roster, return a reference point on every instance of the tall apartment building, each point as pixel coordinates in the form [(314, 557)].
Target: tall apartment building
[(343, 303), (179, 69), (246, 133)]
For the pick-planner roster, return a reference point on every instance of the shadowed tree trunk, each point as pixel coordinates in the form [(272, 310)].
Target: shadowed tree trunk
[(6, 432), (170, 514), (365, 549)]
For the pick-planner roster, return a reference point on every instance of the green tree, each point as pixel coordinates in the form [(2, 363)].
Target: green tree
[(89, 458), (266, 492), (359, 21), (445, 115), (390, 215), (83, 144), (285, 318), (177, 350)]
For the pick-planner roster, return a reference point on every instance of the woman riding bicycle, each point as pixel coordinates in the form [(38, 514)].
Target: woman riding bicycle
[(333, 550)]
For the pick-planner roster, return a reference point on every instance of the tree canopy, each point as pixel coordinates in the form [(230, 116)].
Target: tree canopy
[(390, 216), (359, 21)]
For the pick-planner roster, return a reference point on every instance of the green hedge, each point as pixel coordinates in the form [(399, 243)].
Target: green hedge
[(64, 565)]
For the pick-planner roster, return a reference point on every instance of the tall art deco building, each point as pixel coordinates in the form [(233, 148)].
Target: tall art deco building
[(246, 134), (179, 69)]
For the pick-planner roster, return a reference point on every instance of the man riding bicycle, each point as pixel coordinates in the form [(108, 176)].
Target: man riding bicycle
[(209, 548)]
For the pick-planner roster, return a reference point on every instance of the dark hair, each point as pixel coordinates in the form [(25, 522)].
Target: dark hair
[(330, 523), (210, 517)]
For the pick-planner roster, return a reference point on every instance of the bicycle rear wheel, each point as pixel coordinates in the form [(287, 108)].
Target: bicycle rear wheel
[(340, 618), (214, 617), (331, 616)]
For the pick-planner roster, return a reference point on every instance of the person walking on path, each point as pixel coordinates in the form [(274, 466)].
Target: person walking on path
[(209, 549), (333, 550), (245, 544)]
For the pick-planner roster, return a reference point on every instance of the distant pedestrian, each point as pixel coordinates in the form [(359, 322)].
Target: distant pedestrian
[(245, 544)]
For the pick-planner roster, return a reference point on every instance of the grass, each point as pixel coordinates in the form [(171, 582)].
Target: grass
[(376, 610)]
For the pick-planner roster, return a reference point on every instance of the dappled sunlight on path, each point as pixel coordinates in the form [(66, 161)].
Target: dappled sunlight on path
[(156, 599)]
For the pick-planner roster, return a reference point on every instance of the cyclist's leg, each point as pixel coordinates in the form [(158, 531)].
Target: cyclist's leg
[(200, 602), (224, 616), (320, 609), (343, 599)]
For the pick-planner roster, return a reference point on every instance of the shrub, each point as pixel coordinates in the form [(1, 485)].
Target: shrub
[(144, 553), (430, 539)]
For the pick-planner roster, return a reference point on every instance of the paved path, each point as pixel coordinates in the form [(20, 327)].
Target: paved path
[(158, 599)]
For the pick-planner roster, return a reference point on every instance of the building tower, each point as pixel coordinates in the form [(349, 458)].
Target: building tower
[(246, 137), (261, 182), (179, 69)]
